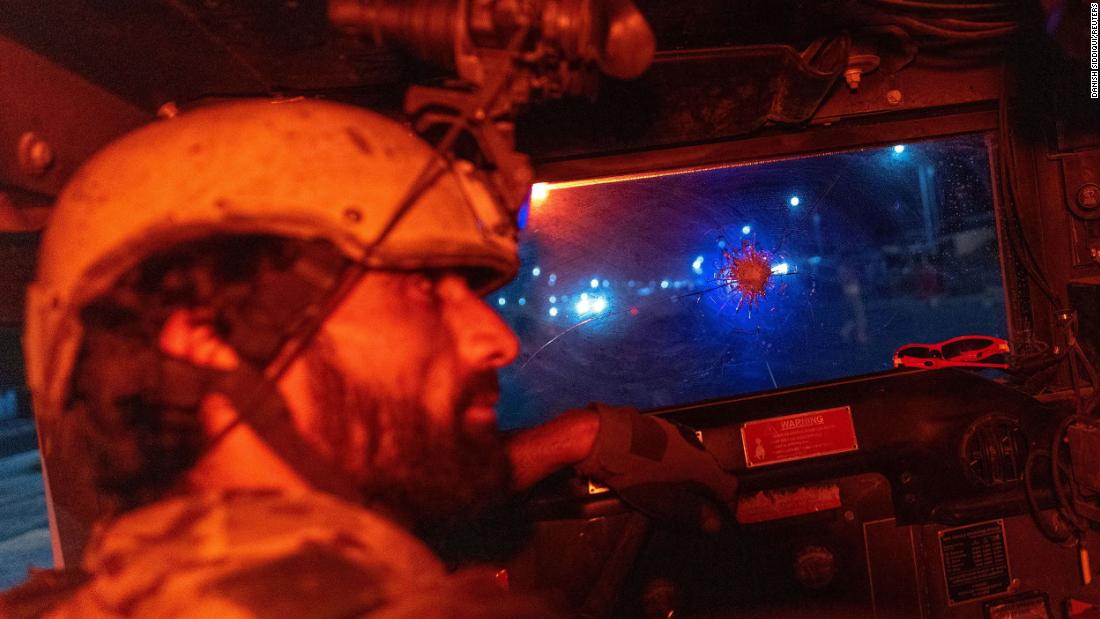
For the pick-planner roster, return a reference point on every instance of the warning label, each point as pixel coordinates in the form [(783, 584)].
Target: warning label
[(797, 437), (975, 561)]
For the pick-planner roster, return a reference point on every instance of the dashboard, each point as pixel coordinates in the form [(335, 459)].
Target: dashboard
[(899, 494)]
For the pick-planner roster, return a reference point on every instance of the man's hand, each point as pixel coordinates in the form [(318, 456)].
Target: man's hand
[(658, 467)]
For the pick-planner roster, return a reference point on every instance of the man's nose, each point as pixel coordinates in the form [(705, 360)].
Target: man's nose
[(486, 340)]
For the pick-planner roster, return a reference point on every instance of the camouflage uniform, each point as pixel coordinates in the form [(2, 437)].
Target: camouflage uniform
[(262, 554)]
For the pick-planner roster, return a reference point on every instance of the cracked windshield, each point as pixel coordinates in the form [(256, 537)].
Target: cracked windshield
[(664, 289)]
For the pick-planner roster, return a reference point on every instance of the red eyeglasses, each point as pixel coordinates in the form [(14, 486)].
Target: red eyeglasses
[(979, 351)]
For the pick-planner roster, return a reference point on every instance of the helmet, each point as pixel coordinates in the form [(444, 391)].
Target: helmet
[(304, 169)]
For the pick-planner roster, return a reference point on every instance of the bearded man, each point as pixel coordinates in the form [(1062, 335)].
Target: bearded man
[(262, 366)]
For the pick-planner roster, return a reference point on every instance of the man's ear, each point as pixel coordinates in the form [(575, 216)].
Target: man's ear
[(191, 338)]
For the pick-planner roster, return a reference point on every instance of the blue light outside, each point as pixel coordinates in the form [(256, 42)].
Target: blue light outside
[(584, 305), (590, 305), (524, 210), (9, 404)]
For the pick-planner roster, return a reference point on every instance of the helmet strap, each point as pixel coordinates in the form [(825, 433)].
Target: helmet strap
[(262, 408)]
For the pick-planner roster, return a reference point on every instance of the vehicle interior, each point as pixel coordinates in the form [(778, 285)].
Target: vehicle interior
[(762, 226)]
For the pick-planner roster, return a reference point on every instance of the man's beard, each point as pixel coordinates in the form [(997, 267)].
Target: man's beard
[(431, 477)]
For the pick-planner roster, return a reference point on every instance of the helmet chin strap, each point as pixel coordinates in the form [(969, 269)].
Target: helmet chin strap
[(260, 405), (291, 301)]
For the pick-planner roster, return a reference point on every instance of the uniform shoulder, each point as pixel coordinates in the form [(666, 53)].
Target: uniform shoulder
[(44, 590)]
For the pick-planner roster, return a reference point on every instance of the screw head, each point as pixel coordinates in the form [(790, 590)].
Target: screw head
[(353, 215), (35, 154), (894, 97), (168, 110), (853, 77), (1088, 196), (815, 567)]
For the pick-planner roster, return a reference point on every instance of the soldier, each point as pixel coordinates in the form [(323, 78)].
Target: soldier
[(261, 362)]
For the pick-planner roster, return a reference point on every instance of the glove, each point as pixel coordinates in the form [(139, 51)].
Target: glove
[(658, 467)]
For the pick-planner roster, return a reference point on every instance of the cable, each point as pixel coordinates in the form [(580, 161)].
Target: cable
[(1080, 523), (967, 24), (1045, 527), (1078, 402), (937, 6), (1090, 407), (1021, 248), (923, 27)]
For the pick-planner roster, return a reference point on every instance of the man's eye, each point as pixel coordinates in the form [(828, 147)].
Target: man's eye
[(422, 284), (426, 284)]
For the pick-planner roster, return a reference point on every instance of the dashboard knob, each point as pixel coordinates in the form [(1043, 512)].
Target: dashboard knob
[(814, 567)]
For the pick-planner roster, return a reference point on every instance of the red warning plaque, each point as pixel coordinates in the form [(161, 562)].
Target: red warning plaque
[(797, 437)]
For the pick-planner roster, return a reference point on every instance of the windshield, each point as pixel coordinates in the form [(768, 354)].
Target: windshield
[(664, 289)]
